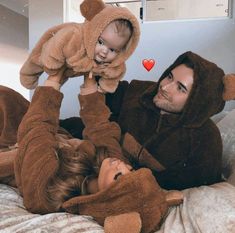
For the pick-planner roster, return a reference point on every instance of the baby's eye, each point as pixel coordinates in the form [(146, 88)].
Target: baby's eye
[(113, 50), (117, 175), (100, 42)]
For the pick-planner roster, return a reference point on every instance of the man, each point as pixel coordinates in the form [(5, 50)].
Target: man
[(167, 125)]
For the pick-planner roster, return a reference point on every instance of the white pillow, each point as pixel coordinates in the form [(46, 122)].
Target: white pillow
[(218, 117), (227, 129)]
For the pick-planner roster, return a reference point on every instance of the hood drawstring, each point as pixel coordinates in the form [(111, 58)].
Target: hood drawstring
[(90, 74), (157, 131), (159, 124)]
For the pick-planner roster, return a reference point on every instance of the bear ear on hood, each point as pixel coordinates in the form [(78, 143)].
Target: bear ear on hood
[(229, 87), (90, 8)]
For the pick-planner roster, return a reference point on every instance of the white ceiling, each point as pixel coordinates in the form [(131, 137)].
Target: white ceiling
[(19, 6)]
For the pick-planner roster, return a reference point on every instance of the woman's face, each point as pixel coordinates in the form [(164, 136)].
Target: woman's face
[(111, 169)]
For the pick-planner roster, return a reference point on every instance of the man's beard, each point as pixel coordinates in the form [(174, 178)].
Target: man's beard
[(165, 106)]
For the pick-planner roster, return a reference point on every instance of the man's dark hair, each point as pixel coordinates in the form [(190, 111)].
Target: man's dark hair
[(188, 63)]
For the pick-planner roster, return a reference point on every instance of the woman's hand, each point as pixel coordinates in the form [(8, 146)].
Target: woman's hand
[(59, 77), (56, 80)]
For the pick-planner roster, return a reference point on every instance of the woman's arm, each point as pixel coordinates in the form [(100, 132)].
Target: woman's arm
[(95, 116), (37, 159)]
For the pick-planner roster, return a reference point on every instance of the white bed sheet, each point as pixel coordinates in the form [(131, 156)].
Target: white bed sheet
[(15, 218)]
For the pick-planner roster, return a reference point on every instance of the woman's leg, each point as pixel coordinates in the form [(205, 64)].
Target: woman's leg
[(13, 106), (7, 175)]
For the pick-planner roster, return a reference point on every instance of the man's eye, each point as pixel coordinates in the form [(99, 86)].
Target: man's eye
[(117, 175), (169, 76), (181, 89)]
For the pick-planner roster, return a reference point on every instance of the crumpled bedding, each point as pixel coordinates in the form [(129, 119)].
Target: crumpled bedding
[(15, 218), (206, 209)]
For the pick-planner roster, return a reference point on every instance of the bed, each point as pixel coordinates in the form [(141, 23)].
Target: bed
[(206, 209)]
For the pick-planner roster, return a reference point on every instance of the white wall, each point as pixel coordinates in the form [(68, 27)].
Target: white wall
[(43, 14), (13, 48), (70, 106), (164, 41)]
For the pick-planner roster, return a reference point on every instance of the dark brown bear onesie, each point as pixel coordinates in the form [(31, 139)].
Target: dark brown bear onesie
[(182, 150)]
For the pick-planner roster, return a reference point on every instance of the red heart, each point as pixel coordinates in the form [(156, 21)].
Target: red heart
[(148, 64)]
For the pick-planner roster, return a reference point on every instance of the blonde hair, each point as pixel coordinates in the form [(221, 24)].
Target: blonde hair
[(74, 167)]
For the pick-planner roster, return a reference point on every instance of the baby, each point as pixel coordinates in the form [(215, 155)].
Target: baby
[(99, 46)]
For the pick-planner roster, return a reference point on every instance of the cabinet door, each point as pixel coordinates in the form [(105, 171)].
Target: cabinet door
[(133, 5), (161, 9), (185, 9), (203, 9)]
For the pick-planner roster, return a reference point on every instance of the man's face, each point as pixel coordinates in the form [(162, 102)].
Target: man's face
[(174, 90)]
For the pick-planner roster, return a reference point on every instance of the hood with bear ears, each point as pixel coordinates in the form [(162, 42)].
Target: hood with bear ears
[(98, 15), (206, 97)]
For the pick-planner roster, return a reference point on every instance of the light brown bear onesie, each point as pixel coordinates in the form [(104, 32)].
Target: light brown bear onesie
[(73, 44)]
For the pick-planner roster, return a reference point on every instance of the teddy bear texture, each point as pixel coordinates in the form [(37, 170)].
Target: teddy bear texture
[(90, 8)]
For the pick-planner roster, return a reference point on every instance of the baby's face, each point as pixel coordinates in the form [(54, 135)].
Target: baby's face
[(109, 44), (111, 169)]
